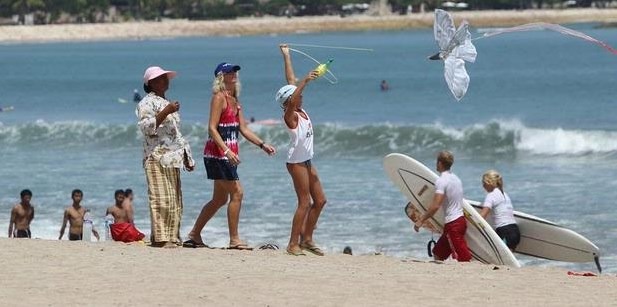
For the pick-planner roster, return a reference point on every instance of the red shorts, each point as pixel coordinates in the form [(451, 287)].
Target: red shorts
[(125, 232), (452, 241)]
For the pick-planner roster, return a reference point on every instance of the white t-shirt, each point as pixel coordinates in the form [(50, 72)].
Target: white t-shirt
[(502, 212), (451, 187)]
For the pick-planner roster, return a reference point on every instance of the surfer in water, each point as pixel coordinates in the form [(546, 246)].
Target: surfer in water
[(497, 203), (449, 195), (136, 96)]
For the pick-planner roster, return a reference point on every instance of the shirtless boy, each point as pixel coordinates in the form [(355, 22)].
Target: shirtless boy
[(21, 216), (74, 214), (122, 210), (123, 228)]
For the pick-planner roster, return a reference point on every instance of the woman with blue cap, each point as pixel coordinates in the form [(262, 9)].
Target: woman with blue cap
[(221, 155), (311, 197)]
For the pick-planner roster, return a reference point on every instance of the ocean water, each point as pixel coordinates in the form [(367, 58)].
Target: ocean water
[(540, 109)]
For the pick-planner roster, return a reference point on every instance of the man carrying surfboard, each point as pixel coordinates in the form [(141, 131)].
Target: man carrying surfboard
[(449, 194)]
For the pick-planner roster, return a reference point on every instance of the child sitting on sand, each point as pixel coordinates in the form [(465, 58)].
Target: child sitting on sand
[(123, 228)]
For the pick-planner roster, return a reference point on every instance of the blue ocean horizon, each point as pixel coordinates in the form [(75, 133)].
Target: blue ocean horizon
[(540, 109)]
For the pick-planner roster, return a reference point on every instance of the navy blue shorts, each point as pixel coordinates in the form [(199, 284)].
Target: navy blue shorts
[(511, 234), (219, 169)]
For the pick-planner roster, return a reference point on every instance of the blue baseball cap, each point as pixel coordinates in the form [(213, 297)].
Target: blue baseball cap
[(225, 68)]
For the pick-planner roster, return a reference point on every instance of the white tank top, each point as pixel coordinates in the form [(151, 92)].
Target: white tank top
[(301, 144)]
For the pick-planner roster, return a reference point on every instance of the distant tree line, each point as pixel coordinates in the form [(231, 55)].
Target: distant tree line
[(59, 11)]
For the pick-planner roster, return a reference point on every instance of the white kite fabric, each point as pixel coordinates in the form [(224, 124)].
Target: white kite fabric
[(553, 27), (455, 48)]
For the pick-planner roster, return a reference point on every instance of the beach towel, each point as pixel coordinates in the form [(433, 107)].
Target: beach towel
[(125, 232)]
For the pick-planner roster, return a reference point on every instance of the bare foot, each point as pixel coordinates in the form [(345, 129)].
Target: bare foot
[(170, 245)]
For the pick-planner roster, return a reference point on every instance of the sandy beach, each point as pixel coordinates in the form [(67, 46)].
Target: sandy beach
[(279, 25), (44, 272)]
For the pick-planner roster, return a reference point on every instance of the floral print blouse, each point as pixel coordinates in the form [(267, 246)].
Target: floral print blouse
[(165, 142)]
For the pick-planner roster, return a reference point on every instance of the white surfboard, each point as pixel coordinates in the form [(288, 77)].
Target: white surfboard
[(545, 239), (417, 183)]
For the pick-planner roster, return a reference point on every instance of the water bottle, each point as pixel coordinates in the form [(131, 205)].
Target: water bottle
[(323, 68), (86, 234), (109, 219)]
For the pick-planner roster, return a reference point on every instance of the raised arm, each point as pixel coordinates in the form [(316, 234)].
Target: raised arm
[(150, 120), (295, 100), (289, 71)]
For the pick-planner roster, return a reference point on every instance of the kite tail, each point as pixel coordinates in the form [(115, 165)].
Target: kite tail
[(552, 27)]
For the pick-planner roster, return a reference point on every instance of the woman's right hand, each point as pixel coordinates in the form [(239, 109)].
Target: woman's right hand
[(314, 74), (172, 108), (232, 158), (284, 49)]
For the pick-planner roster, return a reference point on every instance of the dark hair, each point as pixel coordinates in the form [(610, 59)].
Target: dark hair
[(25, 192), (147, 88), (76, 191), (118, 192), (128, 192)]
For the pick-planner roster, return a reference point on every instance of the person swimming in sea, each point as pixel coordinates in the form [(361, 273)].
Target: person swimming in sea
[(136, 96)]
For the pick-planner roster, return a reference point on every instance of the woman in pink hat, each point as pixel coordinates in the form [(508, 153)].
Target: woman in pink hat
[(165, 152), (221, 155)]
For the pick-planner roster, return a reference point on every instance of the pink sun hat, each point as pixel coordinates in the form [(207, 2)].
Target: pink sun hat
[(153, 72)]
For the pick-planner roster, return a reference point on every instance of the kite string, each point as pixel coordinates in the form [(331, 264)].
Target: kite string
[(334, 78), (306, 55), (330, 47), (552, 27)]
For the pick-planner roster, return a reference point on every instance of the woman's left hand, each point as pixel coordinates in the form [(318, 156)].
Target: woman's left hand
[(188, 167), (269, 149)]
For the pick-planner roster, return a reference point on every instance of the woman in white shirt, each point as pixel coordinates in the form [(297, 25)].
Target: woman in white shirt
[(311, 197), (497, 203)]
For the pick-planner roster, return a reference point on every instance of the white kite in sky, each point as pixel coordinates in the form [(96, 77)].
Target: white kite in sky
[(455, 48), (553, 27)]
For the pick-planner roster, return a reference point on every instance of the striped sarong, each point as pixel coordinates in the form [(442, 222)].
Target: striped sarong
[(165, 199)]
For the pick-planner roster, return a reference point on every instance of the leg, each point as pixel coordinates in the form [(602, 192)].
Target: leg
[(319, 201), (300, 176), (442, 250), (234, 189), (219, 199), (456, 234)]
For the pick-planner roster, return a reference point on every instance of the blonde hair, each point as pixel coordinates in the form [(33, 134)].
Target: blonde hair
[(493, 178), (446, 158), (219, 86)]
